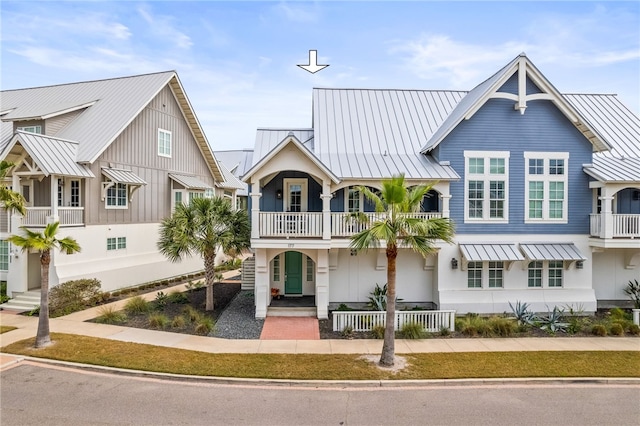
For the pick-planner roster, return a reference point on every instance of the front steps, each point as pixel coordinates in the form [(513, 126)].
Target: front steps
[(23, 301), (273, 311)]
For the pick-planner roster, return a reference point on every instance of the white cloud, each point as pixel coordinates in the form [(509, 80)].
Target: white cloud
[(301, 12), (162, 26)]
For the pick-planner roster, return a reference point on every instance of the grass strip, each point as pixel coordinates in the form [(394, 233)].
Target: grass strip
[(6, 328), (136, 356)]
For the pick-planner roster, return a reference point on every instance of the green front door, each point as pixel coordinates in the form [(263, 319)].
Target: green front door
[(293, 272)]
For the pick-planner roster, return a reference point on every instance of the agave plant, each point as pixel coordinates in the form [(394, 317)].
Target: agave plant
[(522, 313), (633, 290), (553, 322)]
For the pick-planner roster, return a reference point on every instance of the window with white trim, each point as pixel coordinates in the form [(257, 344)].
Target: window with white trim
[(474, 275), (193, 195), (546, 187), (116, 243), (33, 129), (486, 186), (276, 268), (496, 274), (555, 273), (488, 274), (4, 255), (164, 143), (549, 271), (209, 193), (75, 193), (354, 200), (535, 274), (117, 196), (309, 269)]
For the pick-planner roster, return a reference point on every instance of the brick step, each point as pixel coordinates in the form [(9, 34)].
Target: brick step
[(292, 312)]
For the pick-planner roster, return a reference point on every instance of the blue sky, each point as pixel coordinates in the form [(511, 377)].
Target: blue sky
[(237, 60)]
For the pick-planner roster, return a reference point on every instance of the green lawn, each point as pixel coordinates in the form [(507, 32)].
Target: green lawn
[(90, 350)]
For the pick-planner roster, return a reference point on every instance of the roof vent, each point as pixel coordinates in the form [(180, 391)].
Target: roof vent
[(290, 134), (445, 163)]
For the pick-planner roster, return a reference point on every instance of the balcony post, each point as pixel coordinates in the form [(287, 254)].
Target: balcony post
[(261, 291), (606, 230), (326, 210), (445, 205), (322, 284), (55, 217), (255, 210)]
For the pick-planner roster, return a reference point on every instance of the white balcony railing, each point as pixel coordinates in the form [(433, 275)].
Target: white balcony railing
[(623, 225), (345, 225), (68, 216), (279, 224), (431, 321)]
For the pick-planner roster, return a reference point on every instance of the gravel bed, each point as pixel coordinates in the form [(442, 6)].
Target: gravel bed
[(238, 321)]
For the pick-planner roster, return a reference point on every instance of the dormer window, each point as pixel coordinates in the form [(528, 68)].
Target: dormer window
[(31, 129)]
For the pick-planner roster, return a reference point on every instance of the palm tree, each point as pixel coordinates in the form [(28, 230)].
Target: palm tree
[(13, 201), (396, 227), (202, 227), (44, 242)]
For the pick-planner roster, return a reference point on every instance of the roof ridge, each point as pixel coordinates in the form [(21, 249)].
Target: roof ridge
[(90, 81), (394, 90), (42, 135)]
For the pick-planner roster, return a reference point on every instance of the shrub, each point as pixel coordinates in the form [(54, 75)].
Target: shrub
[(553, 322), (471, 325), (178, 322), (191, 314), (378, 331), (204, 325), (501, 326), (137, 305), (343, 307), (108, 315), (158, 320), (3, 292), (74, 296), (161, 300), (413, 330), (178, 297), (633, 290), (619, 314), (347, 331), (522, 313), (616, 329), (599, 330), (634, 329), (444, 331)]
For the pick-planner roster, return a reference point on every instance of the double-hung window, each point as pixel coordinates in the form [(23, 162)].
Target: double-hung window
[(485, 274), (116, 243), (354, 200), (117, 196), (546, 187), (4, 255), (549, 272), (486, 186), (164, 143)]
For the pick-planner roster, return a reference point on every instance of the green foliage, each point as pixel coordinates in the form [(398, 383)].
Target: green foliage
[(378, 298), (378, 331), (554, 321), (161, 300), (577, 324), (616, 329), (343, 307), (74, 296), (634, 329), (109, 315), (619, 314), (3, 292), (633, 290), (413, 330), (444, 331), (137, 305), (522, 313), (158, 320), (178, 322), (178, 297), (192, 286), (347, 331), (191, 314), (34, 312), (470, 325), (204, 325), (599, 330), (501, 326)]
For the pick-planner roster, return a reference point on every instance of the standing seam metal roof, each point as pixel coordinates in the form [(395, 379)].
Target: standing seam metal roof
[(490, 252), (551, 251), (123, 176)]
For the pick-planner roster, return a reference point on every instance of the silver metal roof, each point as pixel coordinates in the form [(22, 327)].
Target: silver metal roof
[(230, 181), (53, 155), (610, 169), (490, 252), (123, 176), (237, 161), (552, 251), (190, 182), (267, 139)]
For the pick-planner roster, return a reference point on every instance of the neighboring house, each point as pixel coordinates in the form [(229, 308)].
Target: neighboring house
[(237, 162), (108, 159), (544, 190)]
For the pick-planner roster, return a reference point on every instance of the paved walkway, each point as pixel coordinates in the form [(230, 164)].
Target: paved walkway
[(75, 324), (290, 328)]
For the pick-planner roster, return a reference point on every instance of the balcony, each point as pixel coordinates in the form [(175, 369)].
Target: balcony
[(309, 225), (37, 217), (622, 226)]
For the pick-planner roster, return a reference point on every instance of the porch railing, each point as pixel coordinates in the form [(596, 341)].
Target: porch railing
[(345, 225), (624, 225), (431, 321), (280, 224), (68, 216)]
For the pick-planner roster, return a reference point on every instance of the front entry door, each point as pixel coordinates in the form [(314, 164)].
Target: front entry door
[(293, 272)]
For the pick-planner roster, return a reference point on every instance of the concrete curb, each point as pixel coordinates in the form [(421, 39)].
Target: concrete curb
[(352, 384)]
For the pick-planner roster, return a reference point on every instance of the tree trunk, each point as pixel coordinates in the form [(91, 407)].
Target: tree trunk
[(43, 336), (210, 276), (388, 347)]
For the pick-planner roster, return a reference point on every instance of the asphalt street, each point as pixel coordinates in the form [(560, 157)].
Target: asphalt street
[(34, 393)]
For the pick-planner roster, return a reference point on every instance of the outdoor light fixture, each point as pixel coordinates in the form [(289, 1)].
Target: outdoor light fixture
[(354, 252), (579, 264), (454, 263), (279, 194)]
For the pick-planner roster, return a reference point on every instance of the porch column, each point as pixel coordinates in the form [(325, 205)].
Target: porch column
[(17, 278), (606, 217), (322, 284), (255, 210), (445, 205), (326, 210), (261, 291), (55, 217)]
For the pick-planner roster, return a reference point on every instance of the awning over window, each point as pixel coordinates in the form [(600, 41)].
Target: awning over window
[(552, 251), (123, 176), (190, 182), (490, 252)]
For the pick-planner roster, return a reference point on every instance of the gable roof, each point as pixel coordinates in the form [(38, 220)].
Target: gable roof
[(110, 106), (489, 88), (237, 161), (52, 155)]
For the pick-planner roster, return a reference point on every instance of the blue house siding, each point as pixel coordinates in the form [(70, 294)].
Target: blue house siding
[(270, 203), (511, 86), (543, 128)]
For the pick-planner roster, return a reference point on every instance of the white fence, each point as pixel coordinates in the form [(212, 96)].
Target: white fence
[(345, 224), (432, 321), (67, 216), (624, 225)]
